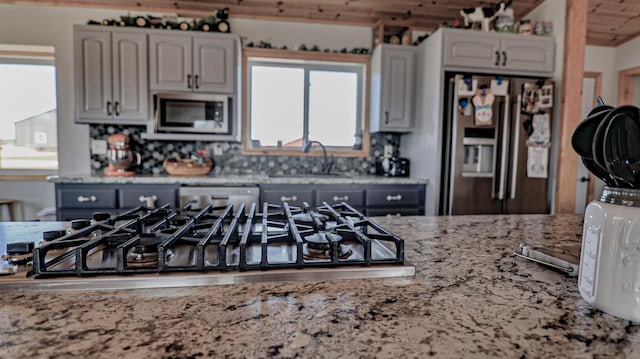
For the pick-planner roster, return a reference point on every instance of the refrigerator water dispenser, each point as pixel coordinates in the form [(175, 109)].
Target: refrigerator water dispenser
[(478, 157)]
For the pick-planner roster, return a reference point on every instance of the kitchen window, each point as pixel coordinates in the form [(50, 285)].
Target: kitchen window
[(311, 98), (28, 133)]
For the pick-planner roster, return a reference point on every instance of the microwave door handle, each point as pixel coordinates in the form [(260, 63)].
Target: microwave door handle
[(516, 148)]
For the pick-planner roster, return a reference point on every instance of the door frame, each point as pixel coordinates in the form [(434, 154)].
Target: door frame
[(625, 85), (596, 92)]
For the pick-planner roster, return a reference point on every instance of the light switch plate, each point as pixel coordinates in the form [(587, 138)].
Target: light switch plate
[(98, 147)]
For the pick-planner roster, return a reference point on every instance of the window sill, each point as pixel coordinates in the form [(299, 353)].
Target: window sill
[(25, 175), (298, 152)]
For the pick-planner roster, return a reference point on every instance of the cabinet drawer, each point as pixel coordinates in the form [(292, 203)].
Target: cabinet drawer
[(373, 212), (293, 196), (393, 197), (86, 197), (136, 196), (353, 197)]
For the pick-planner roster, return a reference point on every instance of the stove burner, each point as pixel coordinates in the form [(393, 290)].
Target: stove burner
[(318, 246), (145, 253)]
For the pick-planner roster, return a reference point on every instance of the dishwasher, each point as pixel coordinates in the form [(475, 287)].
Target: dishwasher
[(200, 197)]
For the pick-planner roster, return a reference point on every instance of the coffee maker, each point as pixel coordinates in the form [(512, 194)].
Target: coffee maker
[(121, 158), (390, 165)]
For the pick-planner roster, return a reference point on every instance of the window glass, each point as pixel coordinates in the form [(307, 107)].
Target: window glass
[(292, 102), (333, 107), (28, 134), (277, 105)]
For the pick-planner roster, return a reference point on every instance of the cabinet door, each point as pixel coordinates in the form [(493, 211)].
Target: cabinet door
[(338, 194), (130, 84), (93, 75), (213, 65), (170, 64), (471, 49), (85, 196), (398, 83), (133, 196), (293, 195), (531, 54)]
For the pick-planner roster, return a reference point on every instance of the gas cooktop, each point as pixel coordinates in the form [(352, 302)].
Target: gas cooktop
[(161, 247)]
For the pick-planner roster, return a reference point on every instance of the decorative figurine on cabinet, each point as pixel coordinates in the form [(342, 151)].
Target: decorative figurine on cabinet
[(483, 15)]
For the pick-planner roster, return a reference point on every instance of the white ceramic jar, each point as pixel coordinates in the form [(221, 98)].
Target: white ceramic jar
[(609, 277)]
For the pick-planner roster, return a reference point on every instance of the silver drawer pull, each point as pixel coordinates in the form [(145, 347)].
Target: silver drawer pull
[(397, 197), (149, 201), (341, 199), (82, 199), (287, 199)]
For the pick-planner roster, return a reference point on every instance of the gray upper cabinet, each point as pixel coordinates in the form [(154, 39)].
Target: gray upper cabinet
[(183, 62), (393, 71), (111, 75), (498, 52)]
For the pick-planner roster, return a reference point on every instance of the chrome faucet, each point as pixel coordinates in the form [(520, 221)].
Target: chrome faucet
[(327, 163)]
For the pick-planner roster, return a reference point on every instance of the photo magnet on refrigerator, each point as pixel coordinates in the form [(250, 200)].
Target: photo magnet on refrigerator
[(499, 87)]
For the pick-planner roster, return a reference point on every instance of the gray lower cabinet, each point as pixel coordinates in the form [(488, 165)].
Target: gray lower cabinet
[(372, 200), (82, 200), (111, 75)]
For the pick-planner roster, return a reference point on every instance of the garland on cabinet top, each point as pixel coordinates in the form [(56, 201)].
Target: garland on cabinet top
[(217, 23)]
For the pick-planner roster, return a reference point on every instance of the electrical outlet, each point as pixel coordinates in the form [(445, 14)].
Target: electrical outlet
[(98, 147)]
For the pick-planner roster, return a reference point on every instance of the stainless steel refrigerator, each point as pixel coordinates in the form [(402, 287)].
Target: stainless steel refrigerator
[(496, 152)]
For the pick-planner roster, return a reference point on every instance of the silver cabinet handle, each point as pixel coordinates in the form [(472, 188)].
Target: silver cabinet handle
[(287, 199), (109, 109), (342, 199), (83, 199), (116, 107), (188, 81), (504, 58), (497, 58), (197, 83), (391, 198), (149, 201), (516, 148)]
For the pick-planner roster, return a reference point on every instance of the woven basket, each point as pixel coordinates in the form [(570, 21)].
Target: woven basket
[(187, 167)]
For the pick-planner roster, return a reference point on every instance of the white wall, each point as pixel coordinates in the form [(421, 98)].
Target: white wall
[(628, 55), (603, 59)]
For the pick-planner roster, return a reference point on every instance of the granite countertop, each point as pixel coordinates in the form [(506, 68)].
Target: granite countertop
[(469, 298), (238, 180)]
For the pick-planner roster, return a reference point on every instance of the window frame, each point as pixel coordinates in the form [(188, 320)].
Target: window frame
[(308, 61), (41, 56)]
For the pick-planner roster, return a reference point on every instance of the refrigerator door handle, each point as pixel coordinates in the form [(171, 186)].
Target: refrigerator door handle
[(516, 148), (504, 155)]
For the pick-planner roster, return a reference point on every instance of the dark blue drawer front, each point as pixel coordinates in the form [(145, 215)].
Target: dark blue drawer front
[(86, 197), (158, 195)]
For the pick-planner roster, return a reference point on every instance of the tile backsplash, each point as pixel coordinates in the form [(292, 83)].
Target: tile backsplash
[(232, 161)]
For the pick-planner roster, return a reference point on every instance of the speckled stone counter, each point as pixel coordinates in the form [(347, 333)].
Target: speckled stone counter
[(247, 180), (470, 298)]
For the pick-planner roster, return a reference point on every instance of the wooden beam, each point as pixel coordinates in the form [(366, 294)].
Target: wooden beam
[(597, 91), (570, 107)]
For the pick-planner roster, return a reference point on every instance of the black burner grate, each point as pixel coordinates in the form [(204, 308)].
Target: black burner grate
[(147, 240)]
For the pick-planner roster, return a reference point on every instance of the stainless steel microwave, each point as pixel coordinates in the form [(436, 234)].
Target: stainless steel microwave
[(193, 113)]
